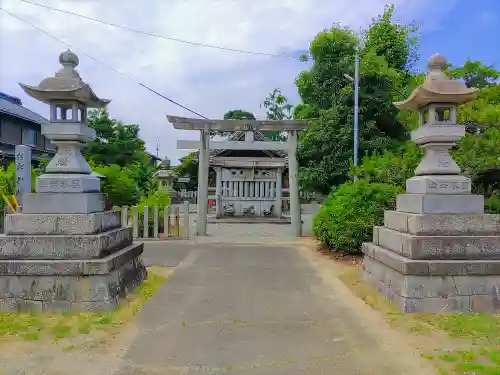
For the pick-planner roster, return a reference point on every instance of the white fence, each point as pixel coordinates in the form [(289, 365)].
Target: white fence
[(151, 223)]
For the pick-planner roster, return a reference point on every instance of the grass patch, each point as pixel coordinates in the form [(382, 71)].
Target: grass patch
[(479, 333), (35, 326)]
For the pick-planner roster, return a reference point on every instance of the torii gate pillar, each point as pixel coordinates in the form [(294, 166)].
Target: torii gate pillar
[(202, 200)]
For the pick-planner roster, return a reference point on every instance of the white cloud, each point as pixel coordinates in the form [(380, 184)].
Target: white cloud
[(208, 80)]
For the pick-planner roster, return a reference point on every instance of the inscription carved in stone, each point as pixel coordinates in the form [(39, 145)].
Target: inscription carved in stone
[(62, 162), (65, 184), (454, 186), (443, 163)]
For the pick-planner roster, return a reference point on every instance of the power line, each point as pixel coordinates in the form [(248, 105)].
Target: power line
[(103, 64), (162, 36)]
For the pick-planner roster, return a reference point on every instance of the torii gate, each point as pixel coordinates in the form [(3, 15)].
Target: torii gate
[(205, 144)]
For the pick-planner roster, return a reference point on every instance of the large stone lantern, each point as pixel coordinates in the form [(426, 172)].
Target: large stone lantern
[(64, 251), (68, 171), (438, 252), (436, 100)]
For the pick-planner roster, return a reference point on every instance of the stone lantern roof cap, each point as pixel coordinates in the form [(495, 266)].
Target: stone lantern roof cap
[(66, 85), (438, 88)]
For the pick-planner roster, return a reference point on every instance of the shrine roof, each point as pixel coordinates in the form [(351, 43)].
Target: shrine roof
[(258, 136)]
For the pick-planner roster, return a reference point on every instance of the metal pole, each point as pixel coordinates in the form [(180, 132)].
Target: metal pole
[(356, 109)]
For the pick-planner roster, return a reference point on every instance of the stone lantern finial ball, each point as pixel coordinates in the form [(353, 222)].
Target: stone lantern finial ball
[(165, 163), (436, 61), (69, 58)]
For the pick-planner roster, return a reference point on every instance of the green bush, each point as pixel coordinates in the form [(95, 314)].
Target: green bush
[(160, 199), (119, 185), (391, 167), (349, 213)]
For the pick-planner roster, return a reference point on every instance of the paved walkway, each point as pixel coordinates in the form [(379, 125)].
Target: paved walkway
[(258, 309)]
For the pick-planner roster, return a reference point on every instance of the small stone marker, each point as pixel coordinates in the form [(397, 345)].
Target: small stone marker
[(23, 171)]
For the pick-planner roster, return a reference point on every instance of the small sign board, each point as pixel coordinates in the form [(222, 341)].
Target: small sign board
[(23, 171)]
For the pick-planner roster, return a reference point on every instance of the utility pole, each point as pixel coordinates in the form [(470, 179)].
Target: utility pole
[(356, 108), (157, 146)]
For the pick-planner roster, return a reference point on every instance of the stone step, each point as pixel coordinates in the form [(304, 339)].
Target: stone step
[(80, 246), (408, 266), (440, 203), (434, 294), (70, 267), (67, 203), (437, 247), (443, 224), (39, 285), (62, 223)]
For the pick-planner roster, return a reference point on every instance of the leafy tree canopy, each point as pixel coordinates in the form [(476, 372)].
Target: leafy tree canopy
[(119, 144), (475, 74), (189, 168), (235, 114), (239, 114), (387, 53), (277, 108)]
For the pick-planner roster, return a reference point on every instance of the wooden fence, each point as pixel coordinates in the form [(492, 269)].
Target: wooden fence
[(151, 223)]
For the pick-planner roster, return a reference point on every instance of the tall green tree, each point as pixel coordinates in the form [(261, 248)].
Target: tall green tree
[(116, 142), (277, 108), (326, 146), (397, 42), (119, 144)]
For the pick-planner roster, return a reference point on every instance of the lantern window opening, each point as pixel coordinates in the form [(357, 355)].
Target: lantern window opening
[(442, 114), (424, 115)]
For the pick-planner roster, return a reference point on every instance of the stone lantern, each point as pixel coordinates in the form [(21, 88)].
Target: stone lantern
[(68, 171), (64, 251), (166, 177), (436, 100), (438, 252)]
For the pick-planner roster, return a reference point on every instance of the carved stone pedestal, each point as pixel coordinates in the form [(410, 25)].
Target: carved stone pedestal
[(434, 263), (82, 262)]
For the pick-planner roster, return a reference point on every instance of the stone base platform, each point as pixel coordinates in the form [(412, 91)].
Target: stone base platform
[(436, 263), (76, 285), (428, 294), (62, 224), (249, 220), (68, 203)]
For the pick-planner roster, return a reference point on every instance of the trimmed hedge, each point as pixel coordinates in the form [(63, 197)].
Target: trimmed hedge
[(349, 213)]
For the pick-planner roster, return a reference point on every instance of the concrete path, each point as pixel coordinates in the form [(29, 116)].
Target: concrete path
[(259, 309)]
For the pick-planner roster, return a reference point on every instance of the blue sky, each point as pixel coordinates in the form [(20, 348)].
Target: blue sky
[(469, 29), (207, 80)]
